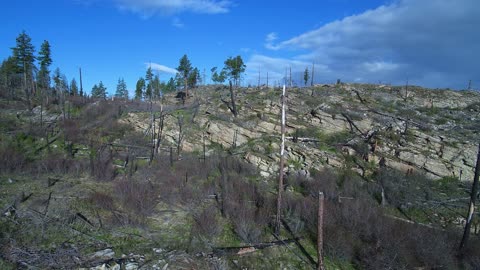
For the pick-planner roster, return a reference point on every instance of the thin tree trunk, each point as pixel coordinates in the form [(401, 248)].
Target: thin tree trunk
[(321, 199), (180, 136), (282, 161), (152, 150), (81, 85), (41, 109), (313, 74), (204, 150), (232, 97), (186, 90), (267, 79), (27, 92), (290, 77), (234, 142), (160, 130), (258, 79), (471, 208)]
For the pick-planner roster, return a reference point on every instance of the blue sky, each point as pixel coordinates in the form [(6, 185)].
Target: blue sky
[(433, 43)]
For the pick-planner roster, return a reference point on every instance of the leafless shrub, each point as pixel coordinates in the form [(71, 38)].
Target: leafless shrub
[(102, 164), (137, 198), (11, 158), (325, 181), (247, 208), (356, 229), (102, 200), (206, 222)]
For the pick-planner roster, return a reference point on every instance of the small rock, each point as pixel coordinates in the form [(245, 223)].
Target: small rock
[(100, 267), (10, 180), (158, 250), (131, 266), (106, 254)]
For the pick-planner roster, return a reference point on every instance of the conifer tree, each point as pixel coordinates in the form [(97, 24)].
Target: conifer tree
[(184, 69), (44, 56), (122, 91), (234, 67), (148, 80), (99, 91), (140, 88), (73, 88), (306, 76), (23, 54)]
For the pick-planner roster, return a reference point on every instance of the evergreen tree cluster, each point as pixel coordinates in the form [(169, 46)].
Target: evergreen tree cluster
[(24, 75)]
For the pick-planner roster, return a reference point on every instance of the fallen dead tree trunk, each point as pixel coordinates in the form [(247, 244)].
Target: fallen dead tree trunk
[(300, 139), (299, 245), (223, 251)]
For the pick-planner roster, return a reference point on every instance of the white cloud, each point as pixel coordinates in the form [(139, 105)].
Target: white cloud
[(169, 7), (161, 68), (433, 43), (269, 39), (378, 66)]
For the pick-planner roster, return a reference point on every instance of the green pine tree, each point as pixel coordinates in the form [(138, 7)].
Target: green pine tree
[(184, 69), (73, 87), (140, 88), (170, 86), (194, 78), (234, 67), (306, 76), (122, 91), (23, 53), (157, 87), (9, 78), (99, 91), (44, 56)]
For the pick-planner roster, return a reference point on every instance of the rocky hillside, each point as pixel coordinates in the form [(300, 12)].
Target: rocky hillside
[(81, 188), (363, 126)]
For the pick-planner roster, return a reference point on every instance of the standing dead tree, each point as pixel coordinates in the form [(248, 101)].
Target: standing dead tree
[(160, 130), (313, 75), (180, 135), (321, 199), (152, 128), (471, 208), (282, 163)]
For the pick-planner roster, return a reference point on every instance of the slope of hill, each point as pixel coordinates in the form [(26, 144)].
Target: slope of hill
[(431, 131), (116, 184)]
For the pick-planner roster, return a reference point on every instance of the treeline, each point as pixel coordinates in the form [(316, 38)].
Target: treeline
[(26, 75), (188, 77)]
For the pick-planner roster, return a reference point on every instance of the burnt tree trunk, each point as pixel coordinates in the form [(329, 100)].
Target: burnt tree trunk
[(160, 131), (321, 199), (180, 136), (282, 162), (471, 208)]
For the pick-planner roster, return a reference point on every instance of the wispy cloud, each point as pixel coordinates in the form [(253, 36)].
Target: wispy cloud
[(270, 39), (433, 43), (161, 68), (149, 8)]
